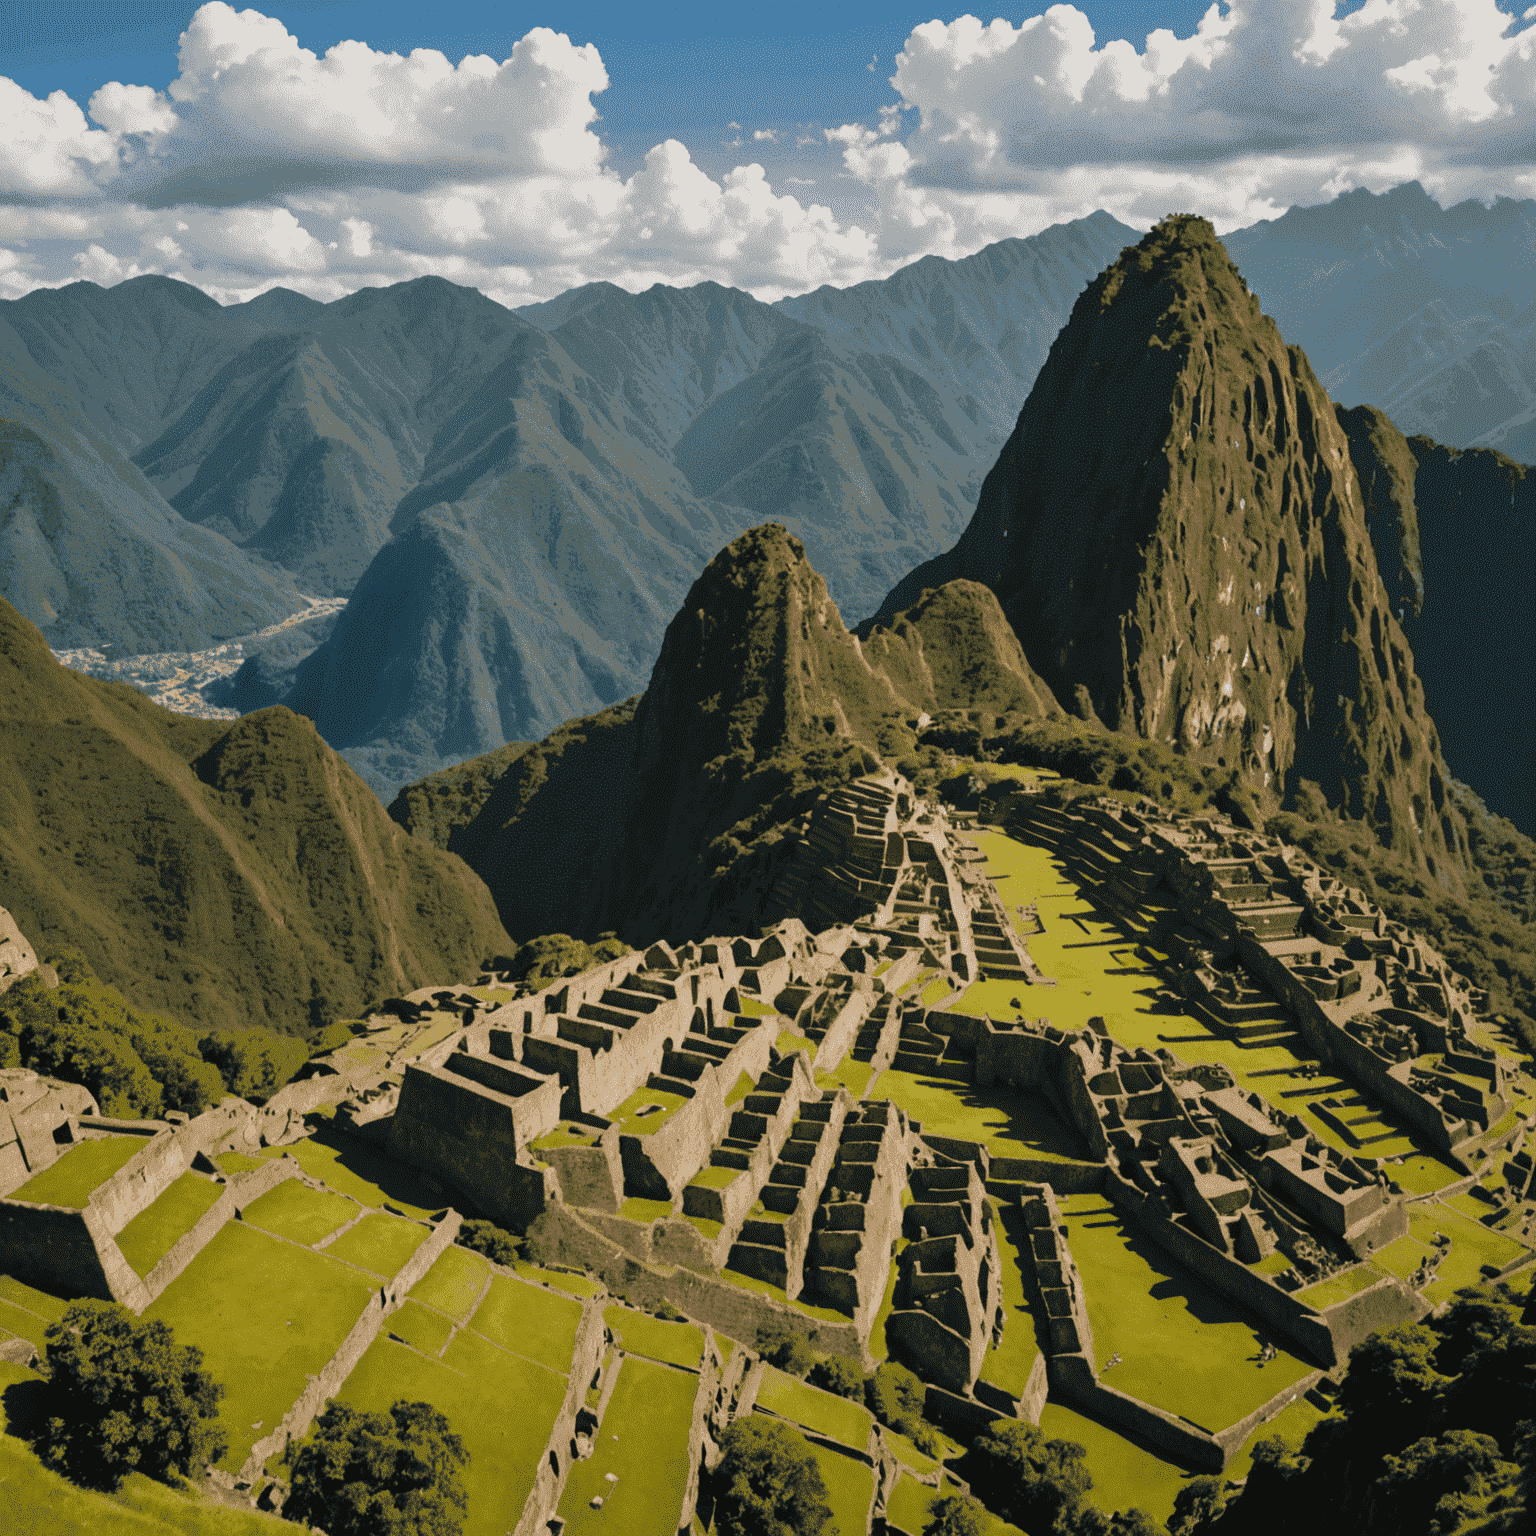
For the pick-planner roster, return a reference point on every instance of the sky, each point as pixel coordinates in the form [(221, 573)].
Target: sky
[(524, 149)]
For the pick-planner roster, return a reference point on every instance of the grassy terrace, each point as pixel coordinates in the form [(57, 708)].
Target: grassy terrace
[(351, 1167), (25, 1313), (850, 1488), (1329, 1293), (69, 1181), (641, 1334), (299, 1213), (638, 1208), (473, 1379), (643, 1443), (908, 1504), (572, 1285), (159, 1227), (753, 1008), (1098, 972), (712, 1177), (379, 1243), (1184, 1348), (530, 1321), (267, 1315), (37, 1501), (454, 1283), (838, 1418), (423, 1329), (1124, 1475), (776, 1293), (1011, 1124), (647, 1110), (569, 1133), (1008, 1366), (1472, 1246)]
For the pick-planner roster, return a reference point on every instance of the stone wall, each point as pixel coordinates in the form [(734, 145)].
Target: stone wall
[(52, 1248)]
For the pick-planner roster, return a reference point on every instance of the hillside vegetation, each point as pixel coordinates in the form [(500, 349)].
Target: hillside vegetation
[(224, 874)]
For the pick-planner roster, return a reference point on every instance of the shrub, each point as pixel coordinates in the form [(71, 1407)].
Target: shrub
[(485, 1237), (955, 1515), (365, 1474), (895, 1396), (838, 1375), (123, 1397), (787, 1350), (1024, 1477), (769, 1482)]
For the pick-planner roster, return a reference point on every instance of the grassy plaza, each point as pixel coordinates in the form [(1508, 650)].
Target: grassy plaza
[(71, 1179), (642, 1443), (530, 1321), (641, 1334), (824, 1413)]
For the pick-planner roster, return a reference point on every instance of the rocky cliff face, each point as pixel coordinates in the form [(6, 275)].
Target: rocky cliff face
[(663, 816), (1177, 534)]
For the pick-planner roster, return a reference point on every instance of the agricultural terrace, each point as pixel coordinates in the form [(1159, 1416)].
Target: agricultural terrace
[(639, 1462), (25, 1313), (1183, 1348), (299, 1213), (160, 1226), (823, 1413), (267, 1314), (1125, 1476), (351, 1167), (379, 1243), (454, 1284), (1008, 1364), (850, 1487), (908, 1504), (529, 1321), (69, 1181), (641, 1334)]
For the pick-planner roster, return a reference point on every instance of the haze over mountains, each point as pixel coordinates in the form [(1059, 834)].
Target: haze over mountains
[(517, 504)]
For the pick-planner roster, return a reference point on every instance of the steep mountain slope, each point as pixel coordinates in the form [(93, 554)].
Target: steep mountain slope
[(1463, 525), (664, 815), (1176, 533), (227, 874), (1425, 312)]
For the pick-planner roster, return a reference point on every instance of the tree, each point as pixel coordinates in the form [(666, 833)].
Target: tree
[(838, 1375), (368, 1474), (499, 1246), (895, 1396), (1474, 1319), (955, 1515), (1391, 1387), (1437, 1482), (123, 1397), (784, 1348), (1497, 1385), (1197, 1504), (770, 1483), (1024, 1477)]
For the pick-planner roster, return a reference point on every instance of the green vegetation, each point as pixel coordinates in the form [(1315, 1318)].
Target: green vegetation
[(835, 1417), (504, 1447), (432, 807), (1010, 1124), (715, 1177), (69, 1181), (1124, 1475), (546, 959), (454, 1283), (673, 1343), (498, 1245), (368, 1474), (568, 1133), (1009, 1364), (159, 1227), (299, 1213), (236, 1162), (1184, 1348), (266, 1315), (379, 1243), (850, 1486), (41, 1502), (1472, 1246), (770, 1480), (574, 1285), (528, 1320), (647, 1110), (351, 1167), (637, 1208), (756, 1008), (123, 1397), (1341, 1287), (26, 1313), (420, 1327), (643, 1442)]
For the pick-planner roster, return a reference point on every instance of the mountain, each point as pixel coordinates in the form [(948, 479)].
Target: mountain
[(1459, 529), (227, 873), (1424, 312), (1176, 533), (665, 815)]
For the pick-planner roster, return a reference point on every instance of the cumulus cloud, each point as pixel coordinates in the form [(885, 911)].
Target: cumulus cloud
[(264, 162)]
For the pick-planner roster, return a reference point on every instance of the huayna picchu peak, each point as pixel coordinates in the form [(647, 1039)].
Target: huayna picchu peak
[(1176, 532)]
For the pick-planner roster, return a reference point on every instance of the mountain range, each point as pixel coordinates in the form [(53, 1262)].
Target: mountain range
[(515, 504)]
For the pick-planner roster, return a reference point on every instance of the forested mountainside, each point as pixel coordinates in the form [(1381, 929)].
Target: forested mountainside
[(226, 873)]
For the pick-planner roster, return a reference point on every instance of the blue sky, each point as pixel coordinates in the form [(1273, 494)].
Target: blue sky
[(305, 144)]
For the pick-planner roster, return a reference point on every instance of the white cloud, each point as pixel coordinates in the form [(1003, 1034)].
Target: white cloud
[(263, 162)]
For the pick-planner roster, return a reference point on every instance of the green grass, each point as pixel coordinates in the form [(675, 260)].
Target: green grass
[(908, 1454), (877, 1345), (17, 1322), (237, 1162), (838, 1418), (1422, 1174), (1124, 1475), (660, 1104), (1472, 1246), (69, 1181), (1275, 1263), (1329, 1293), (850, 1488), (908, 1503), (1008, 1366), (299, 1213), (744, 1086), (637, 1209), (789, 1042), (529, 1321), (708, 1229), (37, 1501), (160, 1226), (776, 1293), (27, 1313), (1184, 1348), (641, 1334), (643, 1441), (753, 1008), (1292, 1424), (1469, 1205), (420, 1327), (567, 1134), (467, 1386), (352, 1167), (713, 1177), (853, 1075), (266, 1315), (936, 991), (574, 1285), (380, 1243), (1010, 1124), (1401, 1258), (454, 1282)]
